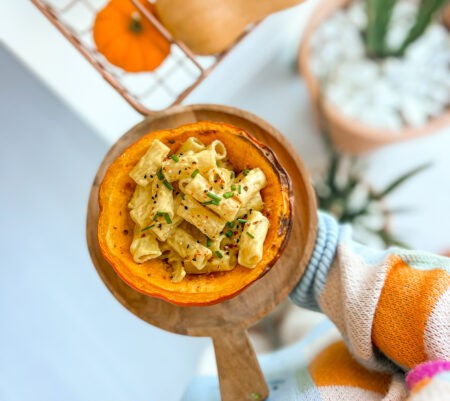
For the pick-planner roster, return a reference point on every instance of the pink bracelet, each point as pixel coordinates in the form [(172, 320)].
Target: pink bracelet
[(426, 370)]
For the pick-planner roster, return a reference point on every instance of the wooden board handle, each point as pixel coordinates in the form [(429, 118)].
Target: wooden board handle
[(240, 375)]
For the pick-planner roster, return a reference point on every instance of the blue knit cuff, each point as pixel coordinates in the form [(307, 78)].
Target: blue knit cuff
[(307, 291)]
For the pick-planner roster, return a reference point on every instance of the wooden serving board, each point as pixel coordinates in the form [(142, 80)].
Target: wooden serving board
[(239, 373)]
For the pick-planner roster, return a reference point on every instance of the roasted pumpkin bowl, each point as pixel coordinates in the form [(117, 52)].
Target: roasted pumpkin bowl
[(153, 278)]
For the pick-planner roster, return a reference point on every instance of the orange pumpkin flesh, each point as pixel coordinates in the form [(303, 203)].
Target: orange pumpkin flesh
[(115, 227), (127, 39)]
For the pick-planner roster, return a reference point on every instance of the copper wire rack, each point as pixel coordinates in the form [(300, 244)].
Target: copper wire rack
[(148, 92)]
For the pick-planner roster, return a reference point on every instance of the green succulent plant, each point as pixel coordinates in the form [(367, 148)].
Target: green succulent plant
[(379, 13), (344, 192)]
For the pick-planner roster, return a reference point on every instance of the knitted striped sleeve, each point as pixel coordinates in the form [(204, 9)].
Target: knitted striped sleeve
[(392, 307)]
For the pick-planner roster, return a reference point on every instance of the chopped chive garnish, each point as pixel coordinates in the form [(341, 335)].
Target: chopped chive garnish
[(168, 185), (148, 227), (230, 224), (158, 214), (207, 203), (208, 242), (217, 203), (160, 174), (228, 195), (246, 171), (239, 189), (213, 196), (219, 254), (245, 188), (217, 164), (231, 175), (196, 171), (243, 221), (175, 158), (229, 233), (250, 235), (233, 187), (168, 220), (182, 196)]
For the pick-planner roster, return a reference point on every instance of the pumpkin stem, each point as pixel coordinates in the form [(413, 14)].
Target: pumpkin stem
[(135, 23)]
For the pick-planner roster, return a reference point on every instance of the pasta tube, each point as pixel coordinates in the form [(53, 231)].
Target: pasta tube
[(191, 145), (250, 184), (140, 206), (254, 203), (201, 217), (144, 246), (188, 165), (161, 199), (252, 240), (188, 248), (219, 150), (148, 165), (201, 190)]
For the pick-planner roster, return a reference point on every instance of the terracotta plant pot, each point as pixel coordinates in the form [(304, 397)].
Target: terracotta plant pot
[(349, 134)]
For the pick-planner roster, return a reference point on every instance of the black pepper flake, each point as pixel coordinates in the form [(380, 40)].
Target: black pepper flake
[(186, 208), (171, 141)]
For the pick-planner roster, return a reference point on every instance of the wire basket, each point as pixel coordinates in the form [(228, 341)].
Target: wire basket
[(146, 92)]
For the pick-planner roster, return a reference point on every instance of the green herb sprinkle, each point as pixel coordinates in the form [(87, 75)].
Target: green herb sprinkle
[(168, 185), (148, 227), (213, 196)]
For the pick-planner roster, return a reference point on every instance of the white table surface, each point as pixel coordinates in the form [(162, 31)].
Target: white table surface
[(118, 363)]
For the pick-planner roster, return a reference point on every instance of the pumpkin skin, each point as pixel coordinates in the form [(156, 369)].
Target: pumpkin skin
[(127, 39), (115, 227)]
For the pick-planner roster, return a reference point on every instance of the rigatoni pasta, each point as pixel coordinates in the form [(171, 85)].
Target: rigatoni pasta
[(252, 239), (183, 166), (201, 189), (144, 246), (201, 217), (194, 211), (149, 164), (188, 248)]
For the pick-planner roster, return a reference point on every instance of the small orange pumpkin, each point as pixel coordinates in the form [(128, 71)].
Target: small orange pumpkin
[(115, 227), (127, 39)]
